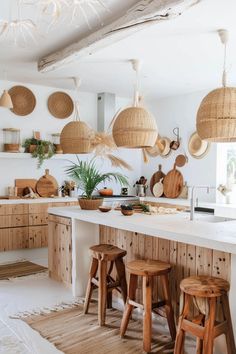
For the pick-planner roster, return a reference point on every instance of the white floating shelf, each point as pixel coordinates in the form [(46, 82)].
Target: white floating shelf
[(23, 155)]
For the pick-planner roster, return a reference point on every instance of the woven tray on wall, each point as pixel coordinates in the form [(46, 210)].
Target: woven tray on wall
[(23, 100), (60, 105)]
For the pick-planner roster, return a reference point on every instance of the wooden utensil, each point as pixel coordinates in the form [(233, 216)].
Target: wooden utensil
[(21, 184), (156, 177), (158, 189), (47, 185), (173, 183), (181, 160)]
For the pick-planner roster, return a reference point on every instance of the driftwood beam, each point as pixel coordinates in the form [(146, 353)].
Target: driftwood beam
[(139, 16)]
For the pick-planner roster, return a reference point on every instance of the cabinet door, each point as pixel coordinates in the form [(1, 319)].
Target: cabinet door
[(38, 219), (13, 220), (60, 251), (14, 238), (38, 236), (11, 209)]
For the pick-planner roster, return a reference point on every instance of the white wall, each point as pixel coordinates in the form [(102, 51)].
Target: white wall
[(41, 120), (181, 111)]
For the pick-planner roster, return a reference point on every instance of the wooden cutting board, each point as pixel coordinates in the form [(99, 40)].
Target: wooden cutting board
[(173, 183), (47, 185), (21, 184), (156, 177)]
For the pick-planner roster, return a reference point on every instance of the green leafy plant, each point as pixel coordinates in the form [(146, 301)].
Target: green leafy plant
[(40, 149), (88, 177)]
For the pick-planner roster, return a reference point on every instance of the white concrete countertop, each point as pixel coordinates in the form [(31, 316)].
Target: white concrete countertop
[(38, 200), (201, 232)]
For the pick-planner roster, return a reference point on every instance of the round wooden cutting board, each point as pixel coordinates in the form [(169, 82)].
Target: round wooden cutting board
[(47, 186), (156, 177), (173, 183)]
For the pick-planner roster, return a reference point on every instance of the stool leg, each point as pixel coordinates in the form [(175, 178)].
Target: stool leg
[(90, 286), (120, 267), (147, 316), (129, 308), (231, 349), (102, 292), (179, 342), (168, 306), (109, 293), (208, 340)]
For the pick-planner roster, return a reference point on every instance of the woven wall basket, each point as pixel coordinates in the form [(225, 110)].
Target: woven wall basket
[(76, 138), (135, 127), (60, 105), (23, 100), (216, 117)]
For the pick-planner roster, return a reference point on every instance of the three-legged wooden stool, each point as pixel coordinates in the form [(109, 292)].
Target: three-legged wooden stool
[(101, 255), (205, 291), (148, 269)]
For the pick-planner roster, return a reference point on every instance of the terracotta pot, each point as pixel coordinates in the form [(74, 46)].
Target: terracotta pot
[(32, 148), (90, 204), (105, 191)]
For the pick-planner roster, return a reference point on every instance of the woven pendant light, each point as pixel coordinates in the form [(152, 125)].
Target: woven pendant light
[(5, 100), (135, 127), (216, 117), (76, 136)]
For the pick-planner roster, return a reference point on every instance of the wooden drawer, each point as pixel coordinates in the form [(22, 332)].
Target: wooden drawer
[(38, 208), (38, 236), (11, 209), (38, 219), (14, 238), (13, 221), (59, 219)]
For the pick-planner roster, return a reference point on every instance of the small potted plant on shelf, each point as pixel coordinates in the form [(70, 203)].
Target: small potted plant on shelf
[(88, 178), (40, 149)]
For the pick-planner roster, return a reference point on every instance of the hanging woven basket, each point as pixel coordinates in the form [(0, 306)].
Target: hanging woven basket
[(76, 138), (216, 117), (135, 127)]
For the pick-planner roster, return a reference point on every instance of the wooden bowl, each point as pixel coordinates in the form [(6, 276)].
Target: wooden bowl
[(104, 209), (127, 212)]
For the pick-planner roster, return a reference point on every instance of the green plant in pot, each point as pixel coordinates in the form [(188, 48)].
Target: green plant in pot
[(88, 178), (40, 149)]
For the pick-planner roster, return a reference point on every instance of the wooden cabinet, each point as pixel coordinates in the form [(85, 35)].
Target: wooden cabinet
[(25, 225), (60, 249)]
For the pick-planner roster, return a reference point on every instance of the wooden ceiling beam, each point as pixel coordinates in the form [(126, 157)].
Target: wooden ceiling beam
[(144, 13)]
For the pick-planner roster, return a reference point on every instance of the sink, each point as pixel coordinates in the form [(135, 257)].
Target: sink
[(210, 218)]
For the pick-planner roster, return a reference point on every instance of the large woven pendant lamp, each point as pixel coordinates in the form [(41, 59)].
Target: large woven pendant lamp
[(76, 136), (216, 117), (135, 127)]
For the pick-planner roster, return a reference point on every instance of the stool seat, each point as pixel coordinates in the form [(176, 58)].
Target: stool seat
[(204, 286), (148, 267), (106, 252)]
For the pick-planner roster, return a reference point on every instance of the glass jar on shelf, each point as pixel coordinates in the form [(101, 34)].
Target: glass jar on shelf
[(56, 143), (11, 140)]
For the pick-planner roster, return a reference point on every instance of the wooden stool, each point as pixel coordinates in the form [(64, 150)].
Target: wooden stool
[(148, 269), (205, 291), (101, 255)]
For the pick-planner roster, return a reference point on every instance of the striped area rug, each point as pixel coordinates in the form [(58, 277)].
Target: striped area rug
[(72, 332), (19, 269)]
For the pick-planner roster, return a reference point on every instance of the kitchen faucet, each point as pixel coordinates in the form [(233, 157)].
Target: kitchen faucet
[(193, 198)]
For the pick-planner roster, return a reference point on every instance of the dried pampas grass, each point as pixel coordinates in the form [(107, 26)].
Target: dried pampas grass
[(117, 162)]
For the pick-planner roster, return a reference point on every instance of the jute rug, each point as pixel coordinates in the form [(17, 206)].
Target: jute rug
[(19, 269), (72, 332)]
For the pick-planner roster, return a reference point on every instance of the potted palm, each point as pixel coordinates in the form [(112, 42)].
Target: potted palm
[(88, 178)]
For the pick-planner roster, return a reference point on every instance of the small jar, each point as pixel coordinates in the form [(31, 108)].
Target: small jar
[(56, 143), (11, 140)]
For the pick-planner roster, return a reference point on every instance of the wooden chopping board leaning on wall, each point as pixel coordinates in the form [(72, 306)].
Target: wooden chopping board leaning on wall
[(173, 183), (47, 186)]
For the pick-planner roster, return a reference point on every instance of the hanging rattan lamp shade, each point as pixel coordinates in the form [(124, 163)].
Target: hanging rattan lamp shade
[(135, 127), (216, 117), (76, 138)]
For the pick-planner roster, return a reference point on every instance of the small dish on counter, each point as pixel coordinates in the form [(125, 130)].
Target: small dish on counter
[(104, 209), (127, 210)]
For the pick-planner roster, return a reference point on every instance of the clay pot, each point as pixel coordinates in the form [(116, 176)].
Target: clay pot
[(105, 192)]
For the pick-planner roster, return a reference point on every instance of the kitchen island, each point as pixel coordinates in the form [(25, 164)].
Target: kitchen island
[(206, 245)]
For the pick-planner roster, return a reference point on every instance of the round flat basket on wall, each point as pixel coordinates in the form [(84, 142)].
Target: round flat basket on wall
[(60, 105), (23, 100)]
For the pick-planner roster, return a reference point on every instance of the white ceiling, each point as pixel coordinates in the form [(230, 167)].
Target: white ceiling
[(179, 56)]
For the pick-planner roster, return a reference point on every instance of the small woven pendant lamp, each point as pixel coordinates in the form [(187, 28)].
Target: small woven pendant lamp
[(216, 116), (76, 136), (135, 127)]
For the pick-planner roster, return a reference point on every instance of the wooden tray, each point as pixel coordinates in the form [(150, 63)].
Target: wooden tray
[(21, 184)]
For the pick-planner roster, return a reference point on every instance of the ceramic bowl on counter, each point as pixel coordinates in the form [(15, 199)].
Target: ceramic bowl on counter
[(104, 209), (127, 210)]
